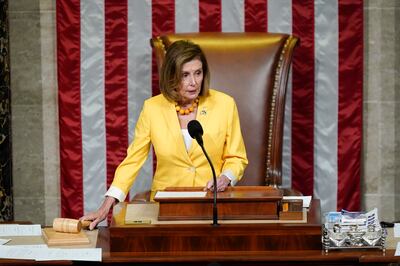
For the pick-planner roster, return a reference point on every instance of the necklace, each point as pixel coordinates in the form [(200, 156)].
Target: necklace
[(188, 110)]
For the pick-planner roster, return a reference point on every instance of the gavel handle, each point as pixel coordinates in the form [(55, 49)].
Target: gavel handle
[(85, 224)]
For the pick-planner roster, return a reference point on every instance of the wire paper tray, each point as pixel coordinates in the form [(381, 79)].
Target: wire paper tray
[(353, 237)]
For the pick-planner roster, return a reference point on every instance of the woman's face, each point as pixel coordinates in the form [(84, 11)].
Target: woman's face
[(192, 78)]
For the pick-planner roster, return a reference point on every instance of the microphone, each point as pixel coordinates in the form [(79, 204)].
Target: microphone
[(196, 132)]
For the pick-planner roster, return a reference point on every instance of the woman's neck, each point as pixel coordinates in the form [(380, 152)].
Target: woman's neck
[(185, 103)]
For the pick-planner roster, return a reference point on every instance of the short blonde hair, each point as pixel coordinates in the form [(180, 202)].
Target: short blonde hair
[(178, 54)]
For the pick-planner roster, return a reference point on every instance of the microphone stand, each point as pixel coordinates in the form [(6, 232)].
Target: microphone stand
[(215, 212)]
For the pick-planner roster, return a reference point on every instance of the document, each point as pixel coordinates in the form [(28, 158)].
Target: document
[(3, 241), (82, 254), (16, 252), (396, 230), (180, 194), (20, 230), (306, 200), (397, 253), (141, 213), (44, 253)]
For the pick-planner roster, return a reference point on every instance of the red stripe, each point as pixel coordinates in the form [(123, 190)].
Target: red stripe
[(69, 107), (350, 103), (116, 83), (210, 16), (256, 16), (303, 98)]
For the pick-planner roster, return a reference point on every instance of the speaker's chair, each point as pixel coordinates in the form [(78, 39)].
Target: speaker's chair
[(253, 68)]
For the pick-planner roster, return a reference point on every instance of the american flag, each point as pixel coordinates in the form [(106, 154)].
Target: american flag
[(106, 69)]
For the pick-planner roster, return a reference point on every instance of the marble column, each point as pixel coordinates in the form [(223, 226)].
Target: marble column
[(397, 107), (27, 110), (381, 167)]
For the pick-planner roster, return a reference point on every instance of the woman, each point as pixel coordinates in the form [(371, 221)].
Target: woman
[(185, 96)]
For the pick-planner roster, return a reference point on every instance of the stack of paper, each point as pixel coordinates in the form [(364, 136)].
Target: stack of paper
[(39, 252)]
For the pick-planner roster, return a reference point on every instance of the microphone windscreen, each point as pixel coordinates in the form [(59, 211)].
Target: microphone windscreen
[(195, 129)]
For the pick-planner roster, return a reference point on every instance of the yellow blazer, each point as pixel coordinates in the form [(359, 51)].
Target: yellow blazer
[(158, 125)]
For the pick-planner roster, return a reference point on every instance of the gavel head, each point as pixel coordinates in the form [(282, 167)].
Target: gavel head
[(66, 225)]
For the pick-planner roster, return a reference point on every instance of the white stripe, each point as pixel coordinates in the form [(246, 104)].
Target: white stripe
[(280, 16), (92, 104), (139, 77), (186, 16), (287, 137), (326, 103), (280, 20), (232, 12)]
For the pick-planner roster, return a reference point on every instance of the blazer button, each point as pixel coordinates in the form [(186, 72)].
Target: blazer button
[(192, 169)]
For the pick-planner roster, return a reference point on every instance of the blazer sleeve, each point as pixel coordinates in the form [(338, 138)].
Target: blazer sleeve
[(137, 153), (234, 155)]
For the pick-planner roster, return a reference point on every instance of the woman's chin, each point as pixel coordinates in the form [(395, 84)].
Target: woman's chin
[(191, 96)]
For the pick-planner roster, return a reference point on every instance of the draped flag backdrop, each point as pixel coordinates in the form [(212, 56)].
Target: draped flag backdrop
[(106, 70)]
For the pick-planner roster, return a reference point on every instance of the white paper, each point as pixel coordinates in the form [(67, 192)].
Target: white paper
[(20, 230), (397, 253), (180, 194), (83, 254), (396, 230), (45, 253), (3, 241), (306, 200), (372, 217), (29, 246), (16, 252)]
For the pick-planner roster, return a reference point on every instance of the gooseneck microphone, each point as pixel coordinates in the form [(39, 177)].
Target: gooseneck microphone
[(196, 132)]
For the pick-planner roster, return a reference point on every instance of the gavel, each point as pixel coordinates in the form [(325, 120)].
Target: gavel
[(66, 225)]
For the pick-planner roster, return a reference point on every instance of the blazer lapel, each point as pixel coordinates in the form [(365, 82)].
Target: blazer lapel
[(174, 128), (203, 114)]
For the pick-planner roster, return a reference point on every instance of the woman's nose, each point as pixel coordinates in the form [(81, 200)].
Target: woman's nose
[(192, 80)]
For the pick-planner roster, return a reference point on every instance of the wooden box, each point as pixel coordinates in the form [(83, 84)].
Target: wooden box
[(235, 203)]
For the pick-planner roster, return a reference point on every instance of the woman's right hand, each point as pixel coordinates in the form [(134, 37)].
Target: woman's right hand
[(97, 216)]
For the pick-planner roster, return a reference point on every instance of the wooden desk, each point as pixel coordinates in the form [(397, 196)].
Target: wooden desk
[(238, 257), (272, 257), (243, 255), (203, 237)]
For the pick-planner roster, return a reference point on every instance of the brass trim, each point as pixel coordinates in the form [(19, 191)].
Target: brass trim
[(268, 176)]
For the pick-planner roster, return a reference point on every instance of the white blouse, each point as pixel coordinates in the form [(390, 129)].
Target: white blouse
[(187, 138)]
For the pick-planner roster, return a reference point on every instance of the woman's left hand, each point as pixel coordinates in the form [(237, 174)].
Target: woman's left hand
[(222, 183)]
